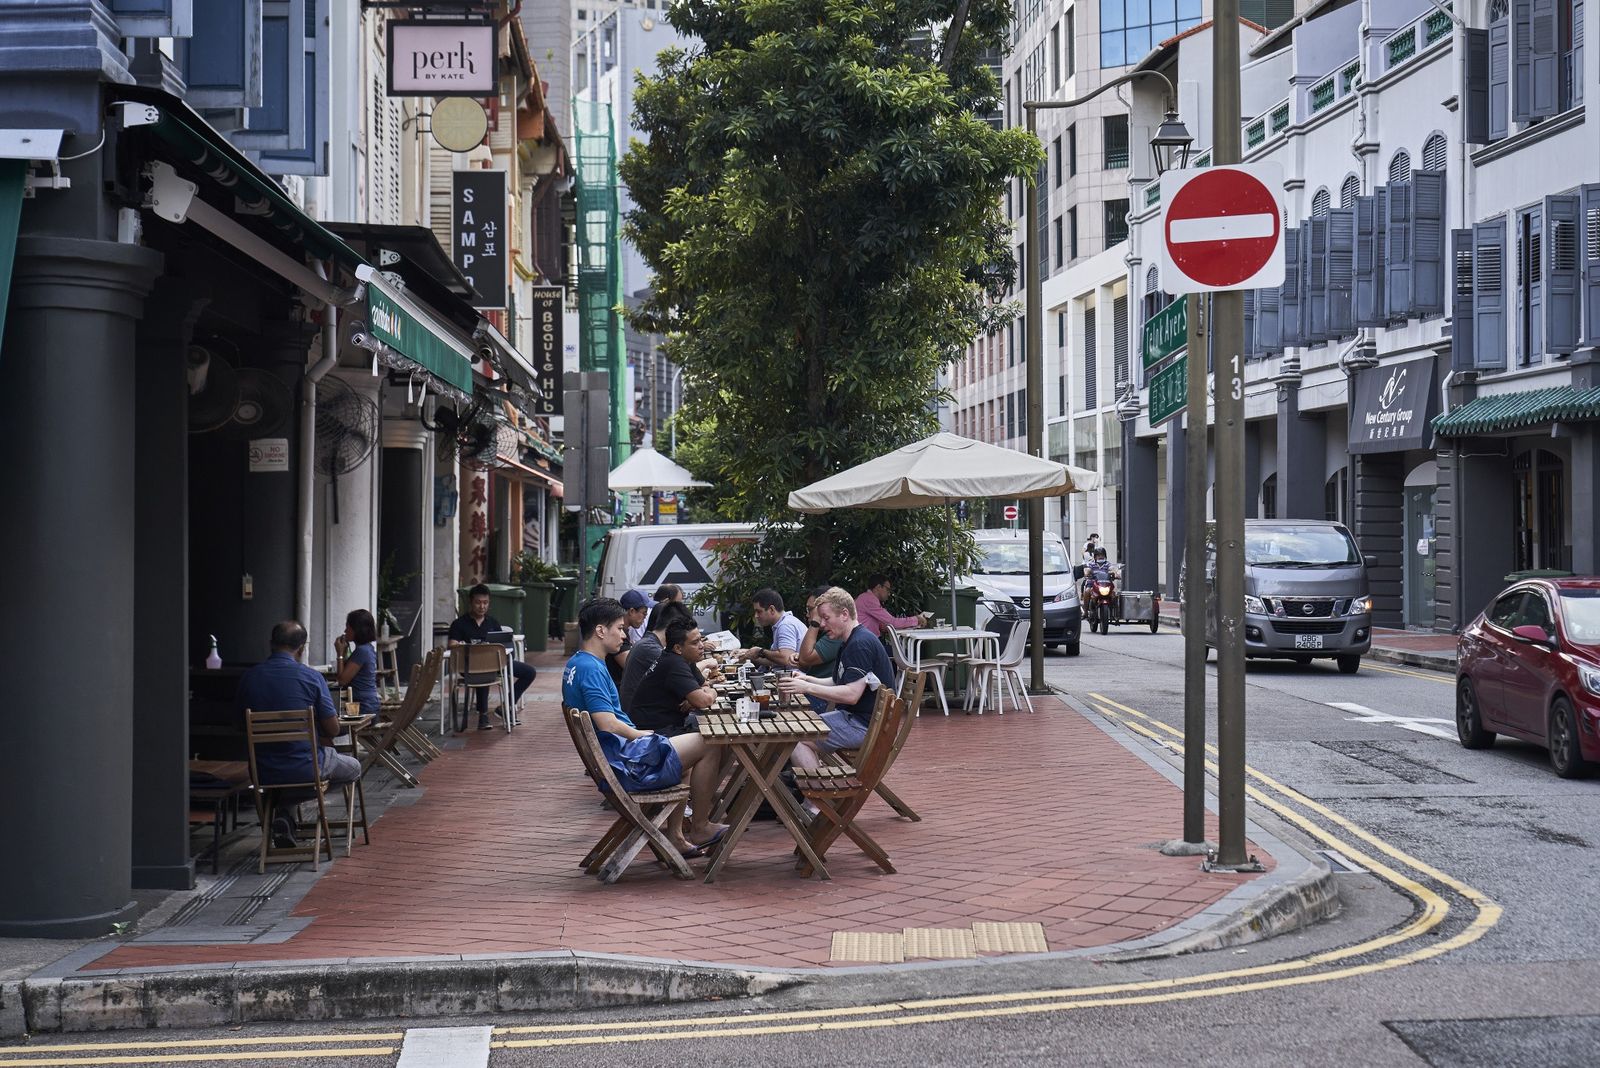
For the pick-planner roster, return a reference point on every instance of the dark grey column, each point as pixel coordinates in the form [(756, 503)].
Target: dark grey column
[(1139, 505), (1252, 470), (160, 810), (400, 534), (67, 553), (1380, 530), (1446, 592), (1486, 538), (1177, 507), (1302, 459), (1585, 498)]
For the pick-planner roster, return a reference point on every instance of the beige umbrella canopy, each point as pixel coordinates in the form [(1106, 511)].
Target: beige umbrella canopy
[(942, 469), (647, 469)]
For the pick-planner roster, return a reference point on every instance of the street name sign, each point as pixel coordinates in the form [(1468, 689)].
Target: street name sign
[(1166, 332), (1221, 228), (1169, 390)]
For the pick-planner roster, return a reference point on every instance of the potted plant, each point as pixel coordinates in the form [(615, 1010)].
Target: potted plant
[(536, 577)]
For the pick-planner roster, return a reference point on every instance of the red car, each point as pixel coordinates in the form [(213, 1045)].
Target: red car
[(1529, 667)]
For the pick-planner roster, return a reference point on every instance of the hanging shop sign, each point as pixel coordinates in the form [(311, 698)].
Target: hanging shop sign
[(478, 233), (1390, 410), (442, 58), (548, 302)]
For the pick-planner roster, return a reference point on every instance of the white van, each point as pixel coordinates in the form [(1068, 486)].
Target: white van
[(647, 558)]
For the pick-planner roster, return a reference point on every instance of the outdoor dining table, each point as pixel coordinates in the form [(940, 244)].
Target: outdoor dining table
[(762, 746), (981, 644)]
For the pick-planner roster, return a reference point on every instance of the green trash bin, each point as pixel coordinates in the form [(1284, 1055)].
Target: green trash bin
[(536, 613), (505, 604), (566, 601), (966, 616)]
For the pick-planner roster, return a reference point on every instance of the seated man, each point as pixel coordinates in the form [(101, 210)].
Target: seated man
[(860, 668), (586, 685), (638, 608), (649, 648), (673, 690), (479, 626), (787, 631), (873, 617), (817, 650), (281, 683)]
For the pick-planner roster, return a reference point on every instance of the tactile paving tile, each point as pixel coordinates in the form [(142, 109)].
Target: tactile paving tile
[(1010, 938), (939, 943), (868, 947)]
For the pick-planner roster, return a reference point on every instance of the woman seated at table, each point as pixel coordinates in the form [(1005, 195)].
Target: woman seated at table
[(360, 668), (673, 689)]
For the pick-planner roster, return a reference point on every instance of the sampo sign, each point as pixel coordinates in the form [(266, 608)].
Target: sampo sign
[(428, 58)]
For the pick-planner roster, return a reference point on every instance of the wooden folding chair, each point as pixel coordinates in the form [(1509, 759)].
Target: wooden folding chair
[(840, 793), (402, 722), (485, 666), (911, 684), (640, 816), (279, 728)]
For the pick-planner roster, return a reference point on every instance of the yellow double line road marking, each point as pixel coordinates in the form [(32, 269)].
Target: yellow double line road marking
[(1315, 968), (217, 1051), (1443, 680)]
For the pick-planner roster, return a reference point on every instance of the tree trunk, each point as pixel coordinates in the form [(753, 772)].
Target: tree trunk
[(958, 23)]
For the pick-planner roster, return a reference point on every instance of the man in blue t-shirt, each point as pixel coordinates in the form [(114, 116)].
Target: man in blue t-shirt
[(586, 685), (861, 667)]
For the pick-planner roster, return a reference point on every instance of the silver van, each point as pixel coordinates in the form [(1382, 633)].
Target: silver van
[(1002, 574), (1306, 593)]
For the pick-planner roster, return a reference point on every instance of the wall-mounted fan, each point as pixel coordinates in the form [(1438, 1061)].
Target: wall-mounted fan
[(263, 407), (213, 390), (347, 432)]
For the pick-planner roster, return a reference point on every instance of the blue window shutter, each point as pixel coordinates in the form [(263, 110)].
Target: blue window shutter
[(1489, 295), (1591, 265), (1369, 262), (1268, 321), (280, 122), (1427, 242), (1561, 273), (1499, 79), (222, 59), (1397, 254), (1475, 85), (312, 157), (1545, 58), (1289, 299), (1341, 271), (1252, 346), (153, 18), (1577, 52), (1530, 285), (1461, 301), (1306, 335), (1314, 258), (1522, 74)]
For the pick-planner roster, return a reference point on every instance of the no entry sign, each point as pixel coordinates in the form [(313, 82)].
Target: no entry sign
[(1222, 228)]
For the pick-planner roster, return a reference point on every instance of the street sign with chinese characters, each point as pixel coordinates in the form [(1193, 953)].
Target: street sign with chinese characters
[(478, 236), (1169, 390), (1166, 332), (546, 349)]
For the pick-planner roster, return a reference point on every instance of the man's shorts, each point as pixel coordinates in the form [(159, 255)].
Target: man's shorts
[(847, 733)]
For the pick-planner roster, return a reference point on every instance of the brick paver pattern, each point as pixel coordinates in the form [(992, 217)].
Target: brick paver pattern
[(1036, 817)]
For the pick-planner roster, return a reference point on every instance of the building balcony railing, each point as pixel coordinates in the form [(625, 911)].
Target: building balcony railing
[(1415, 38)]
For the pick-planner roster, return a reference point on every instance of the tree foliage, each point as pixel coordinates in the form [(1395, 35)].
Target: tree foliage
[(819, 201)]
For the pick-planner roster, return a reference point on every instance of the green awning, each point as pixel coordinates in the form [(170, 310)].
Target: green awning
[(406, 327), (13, 181), (1505, 412)]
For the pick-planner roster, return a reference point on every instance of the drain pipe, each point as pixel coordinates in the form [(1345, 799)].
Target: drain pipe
[(308, 441)]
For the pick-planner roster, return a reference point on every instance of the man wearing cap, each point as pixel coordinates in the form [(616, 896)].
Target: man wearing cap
[(636, 608)]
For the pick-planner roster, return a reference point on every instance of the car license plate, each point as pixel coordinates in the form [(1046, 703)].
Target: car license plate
[(1308, 641)]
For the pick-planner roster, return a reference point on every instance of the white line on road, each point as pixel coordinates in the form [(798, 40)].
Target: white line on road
[(1420, 724), (1220, 228), (445, 1047)]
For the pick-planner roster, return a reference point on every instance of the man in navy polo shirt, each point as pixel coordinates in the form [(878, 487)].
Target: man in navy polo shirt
[(280, 683)]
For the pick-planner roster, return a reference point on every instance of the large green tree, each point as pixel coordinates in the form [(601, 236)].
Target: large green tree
[(819, 200)]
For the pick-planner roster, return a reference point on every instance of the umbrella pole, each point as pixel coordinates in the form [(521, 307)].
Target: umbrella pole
[(950, 555)]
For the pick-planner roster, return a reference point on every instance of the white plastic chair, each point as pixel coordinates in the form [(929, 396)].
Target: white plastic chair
[(1006, 669), (931, 667)]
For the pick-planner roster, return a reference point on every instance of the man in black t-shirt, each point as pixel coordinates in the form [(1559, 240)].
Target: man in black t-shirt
[(647, 650), (860, 669), (479, 626), (673, 689)]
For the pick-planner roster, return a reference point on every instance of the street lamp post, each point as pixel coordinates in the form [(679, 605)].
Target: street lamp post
[(1170, 138)]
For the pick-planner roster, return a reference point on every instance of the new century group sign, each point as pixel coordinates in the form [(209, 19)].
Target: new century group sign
[(442, 58)]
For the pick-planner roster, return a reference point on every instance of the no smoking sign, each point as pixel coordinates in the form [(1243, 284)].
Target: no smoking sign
[(1221, 228)]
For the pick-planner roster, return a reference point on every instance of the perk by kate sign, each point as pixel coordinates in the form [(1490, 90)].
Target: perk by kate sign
[(478, 233), (428, 58), (1221, 228)]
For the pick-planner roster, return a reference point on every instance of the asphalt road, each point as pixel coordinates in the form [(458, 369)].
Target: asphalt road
[(1470, 940)]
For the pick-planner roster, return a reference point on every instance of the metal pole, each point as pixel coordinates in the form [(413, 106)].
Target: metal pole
[(1034, 359), (1227, 334), (1194, 591)]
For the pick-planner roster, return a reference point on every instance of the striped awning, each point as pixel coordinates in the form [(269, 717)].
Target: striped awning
[(1506, 412)]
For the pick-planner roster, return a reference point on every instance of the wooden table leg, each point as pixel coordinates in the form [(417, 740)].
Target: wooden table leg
[(740, 814), (763, 771)]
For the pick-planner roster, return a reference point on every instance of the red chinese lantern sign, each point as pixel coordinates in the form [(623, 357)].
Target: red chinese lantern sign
[(1222, 228)]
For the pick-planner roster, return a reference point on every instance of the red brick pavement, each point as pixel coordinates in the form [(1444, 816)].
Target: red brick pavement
[(1025, 817)]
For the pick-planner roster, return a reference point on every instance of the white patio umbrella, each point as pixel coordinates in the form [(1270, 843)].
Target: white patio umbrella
[(647, 469), (942, 469)]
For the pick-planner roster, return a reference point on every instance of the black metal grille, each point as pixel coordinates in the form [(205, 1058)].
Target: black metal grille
[(1296, 607), (1308, 626)]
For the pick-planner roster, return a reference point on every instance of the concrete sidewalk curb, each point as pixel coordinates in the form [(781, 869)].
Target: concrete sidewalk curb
[(1431, 661), (299, 991), (1300, 890)]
